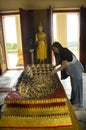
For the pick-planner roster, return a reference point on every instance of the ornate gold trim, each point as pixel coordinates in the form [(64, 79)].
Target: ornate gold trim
[(37, 101), (42, 111), (36, 121)]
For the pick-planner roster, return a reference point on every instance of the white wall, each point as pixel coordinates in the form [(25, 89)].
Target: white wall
[(8, 5)]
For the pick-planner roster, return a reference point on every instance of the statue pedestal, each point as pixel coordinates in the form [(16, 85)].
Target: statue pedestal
[(32, 56)]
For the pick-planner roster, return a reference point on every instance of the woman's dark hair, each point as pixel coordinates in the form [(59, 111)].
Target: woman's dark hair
[(57, 45), (63, 52)]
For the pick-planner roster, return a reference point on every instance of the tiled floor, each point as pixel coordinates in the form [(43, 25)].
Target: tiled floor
[(7, 82)]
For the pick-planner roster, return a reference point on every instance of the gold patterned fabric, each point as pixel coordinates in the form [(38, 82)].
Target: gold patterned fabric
[(37, 81)]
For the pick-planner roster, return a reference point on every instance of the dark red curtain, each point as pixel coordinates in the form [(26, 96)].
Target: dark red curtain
[(50, 34), (83, 35), (26, 33)]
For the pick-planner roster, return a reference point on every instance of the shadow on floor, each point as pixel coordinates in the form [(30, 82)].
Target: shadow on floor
[(81, 116)]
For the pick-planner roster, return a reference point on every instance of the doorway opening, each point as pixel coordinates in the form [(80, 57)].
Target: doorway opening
[(13, 43), (66, 30)]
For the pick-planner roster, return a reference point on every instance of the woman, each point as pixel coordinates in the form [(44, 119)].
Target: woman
[(70, 66), (41, 42)]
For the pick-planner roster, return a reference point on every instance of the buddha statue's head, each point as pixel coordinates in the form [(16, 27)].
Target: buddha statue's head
[(40, 27)]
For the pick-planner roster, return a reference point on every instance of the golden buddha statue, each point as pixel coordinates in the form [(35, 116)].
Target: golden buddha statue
[(41, 42)]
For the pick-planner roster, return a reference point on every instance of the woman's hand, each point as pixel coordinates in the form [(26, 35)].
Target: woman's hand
[(62, 67), (54, 72)]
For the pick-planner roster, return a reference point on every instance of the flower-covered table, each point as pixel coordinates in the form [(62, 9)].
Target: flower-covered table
[(39, 102)]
